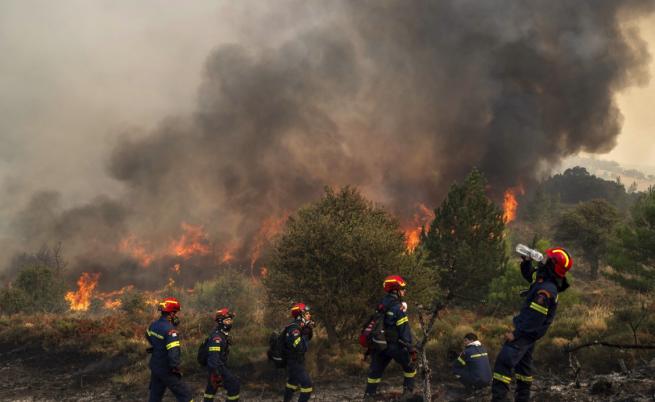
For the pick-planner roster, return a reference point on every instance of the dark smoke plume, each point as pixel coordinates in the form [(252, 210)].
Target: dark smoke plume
[(399, 98)]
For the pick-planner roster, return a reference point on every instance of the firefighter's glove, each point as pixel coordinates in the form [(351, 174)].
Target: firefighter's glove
[(150, 349), (216, 380), (176, 371)]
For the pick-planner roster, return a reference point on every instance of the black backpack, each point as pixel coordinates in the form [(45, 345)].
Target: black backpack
[(372, 335), (203, 352), (276, 348)]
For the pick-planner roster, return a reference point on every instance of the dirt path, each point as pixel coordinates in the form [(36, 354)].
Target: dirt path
[(27, 376)]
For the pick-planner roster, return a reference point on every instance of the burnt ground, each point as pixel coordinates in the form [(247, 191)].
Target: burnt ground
[(34, 375)]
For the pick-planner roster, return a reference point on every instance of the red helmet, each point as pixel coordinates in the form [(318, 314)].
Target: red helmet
[(562, 259), (298, 309), (394, 282), (223, 313), (169, 305)]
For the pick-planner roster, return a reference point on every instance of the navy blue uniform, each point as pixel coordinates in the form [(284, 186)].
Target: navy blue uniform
[(399, 345), (219, 349), (532, 322), (472, 366), (165, 362), (296, 344)]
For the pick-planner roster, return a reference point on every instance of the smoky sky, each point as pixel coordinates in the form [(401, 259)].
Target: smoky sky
[(398, 98)]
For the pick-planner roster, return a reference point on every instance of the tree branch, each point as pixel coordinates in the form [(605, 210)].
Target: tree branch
[(571, 348)]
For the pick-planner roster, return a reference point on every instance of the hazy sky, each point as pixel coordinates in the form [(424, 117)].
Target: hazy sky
[(76, 75), (231, 113), (636, 145)]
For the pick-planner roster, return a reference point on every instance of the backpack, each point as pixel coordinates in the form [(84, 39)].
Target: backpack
[(203, 352), (276, 349), (372, 335)]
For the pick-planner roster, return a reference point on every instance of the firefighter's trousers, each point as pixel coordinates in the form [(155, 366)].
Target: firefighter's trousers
[(225, 379), (298, 381), (160, 381), (515, 356), (381, 359)]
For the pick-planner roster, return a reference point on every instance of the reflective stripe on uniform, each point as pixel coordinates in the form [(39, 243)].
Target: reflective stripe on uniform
[(206, 395), (502, 378), (233, 397), (524, 378), (478, 355), (459, 359), (214, 348), (293, 387), (410, 374), (156, 335), (543, 310), (402, 321), (173, 345), (296, 342), (306, 390), (374, 380)]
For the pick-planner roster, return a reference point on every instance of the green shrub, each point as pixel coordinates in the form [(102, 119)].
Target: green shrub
[(234, 291), (36, 289), (13, 300)]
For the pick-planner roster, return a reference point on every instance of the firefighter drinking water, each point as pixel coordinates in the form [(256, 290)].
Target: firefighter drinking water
[(532, 322)]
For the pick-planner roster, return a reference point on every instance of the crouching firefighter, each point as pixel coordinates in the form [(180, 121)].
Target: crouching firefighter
[(399, 340), (218, 349), (530, 324), (165, 360), (472, 366), (296, 340)]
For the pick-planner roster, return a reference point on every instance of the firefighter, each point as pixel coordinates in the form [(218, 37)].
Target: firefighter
[(399, 340), (472, 366), (530, 324), (165, 360), (218, 351), (297, 336)]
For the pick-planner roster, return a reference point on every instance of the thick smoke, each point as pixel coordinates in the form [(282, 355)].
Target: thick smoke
[(398, 98)]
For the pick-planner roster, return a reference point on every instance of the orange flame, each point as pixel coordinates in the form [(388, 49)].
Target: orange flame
[(270, 227), (192, 242), (81, 300), (422, 218), (263, 272), (510, 204), (135, 248), (113, 304), (228, 253)]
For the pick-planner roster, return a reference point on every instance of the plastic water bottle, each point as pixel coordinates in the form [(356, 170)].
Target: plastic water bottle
[(528, 252)]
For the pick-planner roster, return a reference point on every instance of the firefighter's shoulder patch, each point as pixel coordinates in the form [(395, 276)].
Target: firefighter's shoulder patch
[(541, 299), (217, 339), (295, 332), (172, 333)]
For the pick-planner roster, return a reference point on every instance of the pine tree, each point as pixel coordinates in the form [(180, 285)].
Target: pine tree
[(590, 227), (633, 255), (465, 242)]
